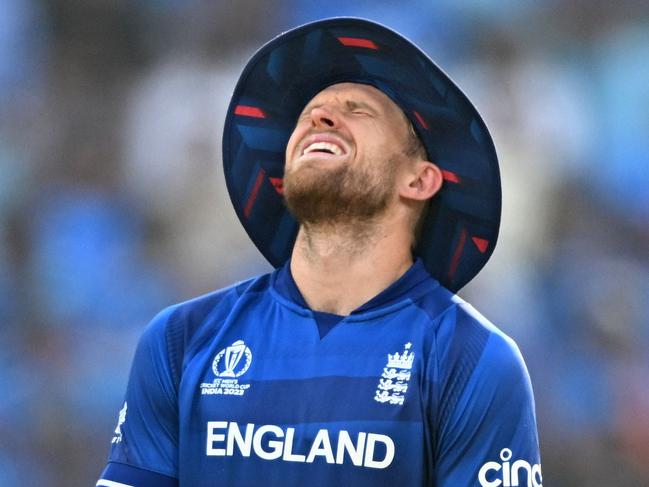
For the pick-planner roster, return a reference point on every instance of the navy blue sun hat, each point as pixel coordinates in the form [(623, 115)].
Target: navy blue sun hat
[(460, 231)]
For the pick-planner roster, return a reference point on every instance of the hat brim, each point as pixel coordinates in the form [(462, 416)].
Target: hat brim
[(459, 233)]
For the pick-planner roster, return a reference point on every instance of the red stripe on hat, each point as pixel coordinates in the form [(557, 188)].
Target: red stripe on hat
[(481, 243), (358, 42), (457, 254), (248, 111), (451, 177), (420, 119), (254, 193), (278, 184)]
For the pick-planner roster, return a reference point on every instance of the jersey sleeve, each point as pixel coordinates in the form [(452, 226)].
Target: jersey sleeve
[(486, 433), (144, 448)]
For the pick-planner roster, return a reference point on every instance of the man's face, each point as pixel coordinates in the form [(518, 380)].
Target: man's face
[(343, 155)]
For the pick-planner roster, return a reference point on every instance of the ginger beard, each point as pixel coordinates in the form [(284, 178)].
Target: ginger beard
[(343, 194)]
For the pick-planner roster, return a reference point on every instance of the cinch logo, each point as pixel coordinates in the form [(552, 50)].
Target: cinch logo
[(271, 442), (508, 475)]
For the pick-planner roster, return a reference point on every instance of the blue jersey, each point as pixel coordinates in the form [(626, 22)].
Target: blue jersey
[(247, 386)]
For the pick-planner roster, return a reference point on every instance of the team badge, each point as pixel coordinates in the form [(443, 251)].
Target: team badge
[(393, 383), (229, 363)]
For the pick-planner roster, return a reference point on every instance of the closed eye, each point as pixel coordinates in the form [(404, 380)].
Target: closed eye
[(359, 108)]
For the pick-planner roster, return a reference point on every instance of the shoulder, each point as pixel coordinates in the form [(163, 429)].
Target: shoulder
[(201, 307), (464, 333), (500, 353), (176, 327), (195, 311), (461, 331), (469, 350), (483, 401), (477, 359), (479, 366)]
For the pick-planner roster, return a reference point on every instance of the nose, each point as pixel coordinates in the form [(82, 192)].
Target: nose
[(323, 117)]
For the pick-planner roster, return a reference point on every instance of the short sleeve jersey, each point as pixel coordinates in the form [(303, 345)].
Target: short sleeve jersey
[(239, 388)]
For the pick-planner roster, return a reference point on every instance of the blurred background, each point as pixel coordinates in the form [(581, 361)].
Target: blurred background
[(113, 205)]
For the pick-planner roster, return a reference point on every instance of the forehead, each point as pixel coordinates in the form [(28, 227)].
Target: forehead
[(358, 93)]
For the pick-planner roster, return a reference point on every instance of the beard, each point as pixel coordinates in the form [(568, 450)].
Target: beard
[(339, 195)]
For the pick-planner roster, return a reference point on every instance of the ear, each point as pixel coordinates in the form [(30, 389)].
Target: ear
[(421, 181)]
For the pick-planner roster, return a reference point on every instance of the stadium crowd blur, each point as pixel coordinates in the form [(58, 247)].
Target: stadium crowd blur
[(113, 205)]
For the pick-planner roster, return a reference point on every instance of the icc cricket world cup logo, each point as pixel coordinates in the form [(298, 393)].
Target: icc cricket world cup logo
[(232, 361)]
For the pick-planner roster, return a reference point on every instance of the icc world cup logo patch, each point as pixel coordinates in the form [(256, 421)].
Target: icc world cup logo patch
[(232, 361), (229, 363)]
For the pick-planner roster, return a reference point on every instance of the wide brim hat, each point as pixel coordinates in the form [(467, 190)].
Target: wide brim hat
[(460, 231)]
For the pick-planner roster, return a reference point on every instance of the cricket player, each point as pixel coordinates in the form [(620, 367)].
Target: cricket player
[(371, 183)]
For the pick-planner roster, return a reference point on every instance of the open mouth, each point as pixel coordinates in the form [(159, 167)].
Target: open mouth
[(324, 148)]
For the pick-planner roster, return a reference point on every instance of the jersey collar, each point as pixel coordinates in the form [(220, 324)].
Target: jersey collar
[(408, 286)]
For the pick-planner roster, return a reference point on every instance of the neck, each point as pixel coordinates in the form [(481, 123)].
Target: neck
[(339, 267)]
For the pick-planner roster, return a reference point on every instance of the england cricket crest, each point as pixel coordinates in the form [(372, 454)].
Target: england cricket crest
[(393, 383), (229, 363)]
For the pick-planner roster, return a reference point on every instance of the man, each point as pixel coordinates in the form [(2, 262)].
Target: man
[(350, 364)]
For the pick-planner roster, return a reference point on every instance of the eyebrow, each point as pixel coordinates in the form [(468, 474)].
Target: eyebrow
[(353, 105), (349, 104)]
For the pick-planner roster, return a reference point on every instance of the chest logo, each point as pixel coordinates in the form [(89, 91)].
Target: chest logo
[(393, 383), (229, 363)]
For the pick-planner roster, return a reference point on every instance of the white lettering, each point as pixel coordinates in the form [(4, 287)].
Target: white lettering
[(518, 464), (536, 472), (506, 479), (510, 472), (373, 438), (355, 451), (289, 456), (321, 447), (271, 442), (482, 474), (234, 436), (275, 445), (212, 437), (505, 456)]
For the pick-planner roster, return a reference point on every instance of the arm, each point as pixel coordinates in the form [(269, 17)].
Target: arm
[(144, 448), (486, 421)]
